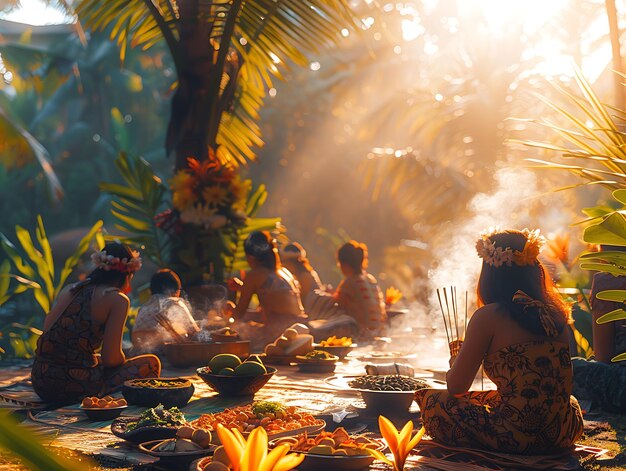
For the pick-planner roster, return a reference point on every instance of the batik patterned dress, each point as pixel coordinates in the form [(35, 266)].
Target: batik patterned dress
[(360, 297), (531, 412), (66, 366)]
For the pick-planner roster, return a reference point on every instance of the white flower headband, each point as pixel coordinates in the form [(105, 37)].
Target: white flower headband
[(109, 262), (497, 256)]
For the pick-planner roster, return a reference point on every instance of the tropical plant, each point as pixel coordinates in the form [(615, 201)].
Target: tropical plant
[(198, 227), (37, 265), (226, 54), (593, 137)]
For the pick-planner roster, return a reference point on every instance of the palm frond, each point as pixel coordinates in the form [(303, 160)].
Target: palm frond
[(136, 205)]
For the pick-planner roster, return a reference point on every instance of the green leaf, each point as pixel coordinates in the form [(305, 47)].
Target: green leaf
[(616, 315), (19, 263), (620, 195), (620, 357), (43, 270), (619, 296), (22, 442), (611, 231), (604, 267)]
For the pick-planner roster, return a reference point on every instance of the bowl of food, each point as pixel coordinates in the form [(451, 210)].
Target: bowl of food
[(387, 394), (186, 354), (157, 423), (103, 408), (335, 450), (151, 392), (225, 335), (228, 375), (339, 346), (317, 361)]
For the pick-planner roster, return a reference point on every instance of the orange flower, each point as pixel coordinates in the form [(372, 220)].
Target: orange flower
[(392, 295), (558, 248), (400, 443), (252, 454), (215, 195)]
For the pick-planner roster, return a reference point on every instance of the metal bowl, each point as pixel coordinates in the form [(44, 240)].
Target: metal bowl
[(387, 402)]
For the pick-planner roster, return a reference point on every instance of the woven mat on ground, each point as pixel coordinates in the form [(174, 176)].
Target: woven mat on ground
[(443, 457)]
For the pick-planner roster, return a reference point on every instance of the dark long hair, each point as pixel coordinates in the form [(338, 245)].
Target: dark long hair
[(115, 278), (499, 284), (261, 246), (298, 255), (354, 255)]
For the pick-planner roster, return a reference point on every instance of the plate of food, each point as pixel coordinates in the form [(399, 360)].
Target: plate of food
[(157, 423), (335, 450), (317, 361), (179, 452), (340, 346), (277, 419)]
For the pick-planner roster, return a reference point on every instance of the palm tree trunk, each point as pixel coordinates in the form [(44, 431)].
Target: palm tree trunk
[(614, 33), (186, 133), (197, 104)]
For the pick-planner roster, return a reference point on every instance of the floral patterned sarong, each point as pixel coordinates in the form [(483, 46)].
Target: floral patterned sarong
[(531, 412)]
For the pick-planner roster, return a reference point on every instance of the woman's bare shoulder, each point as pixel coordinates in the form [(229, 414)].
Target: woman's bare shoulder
[(487, 314)]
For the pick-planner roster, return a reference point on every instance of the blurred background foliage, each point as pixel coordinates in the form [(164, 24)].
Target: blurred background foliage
[(386, 139)]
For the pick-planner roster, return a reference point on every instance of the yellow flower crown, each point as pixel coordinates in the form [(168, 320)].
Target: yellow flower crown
[(497, 256)]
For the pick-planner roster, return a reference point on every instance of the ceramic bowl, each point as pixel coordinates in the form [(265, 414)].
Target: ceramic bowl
[(152, 396), (235, 385)]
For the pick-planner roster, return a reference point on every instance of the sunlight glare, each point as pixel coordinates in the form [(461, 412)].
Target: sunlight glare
[(36, 13), (499, 14)]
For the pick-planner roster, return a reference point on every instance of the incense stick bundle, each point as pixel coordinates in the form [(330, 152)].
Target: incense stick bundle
[(443, 315), (453, 331)]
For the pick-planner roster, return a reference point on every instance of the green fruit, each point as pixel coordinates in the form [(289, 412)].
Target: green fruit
[(224, 360), (254, 358), (227, 372), (250, 368)]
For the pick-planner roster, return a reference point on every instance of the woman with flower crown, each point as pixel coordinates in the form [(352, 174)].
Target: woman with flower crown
[(519, 334), (276, 288), (86, 317)]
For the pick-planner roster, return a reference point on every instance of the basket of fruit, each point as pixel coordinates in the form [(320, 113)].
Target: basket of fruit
[(103, 408), (317, 361), (228, 375), (150, 392), (339, 346)]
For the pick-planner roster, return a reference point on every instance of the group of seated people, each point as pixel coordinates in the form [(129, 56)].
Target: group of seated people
[(520, 335)]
